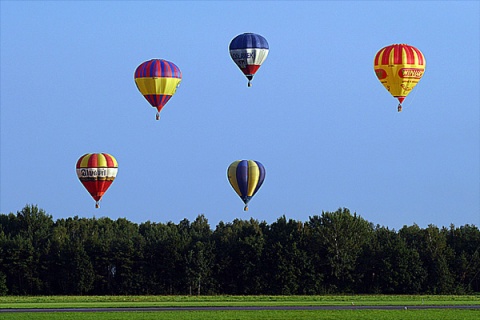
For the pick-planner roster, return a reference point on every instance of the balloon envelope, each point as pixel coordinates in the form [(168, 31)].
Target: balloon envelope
[(157, 80), (249, 51), (399, 67), (96, 171), (246, 178)]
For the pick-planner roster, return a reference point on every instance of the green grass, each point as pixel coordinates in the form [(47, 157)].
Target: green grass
[(199, 301), (254, 315)]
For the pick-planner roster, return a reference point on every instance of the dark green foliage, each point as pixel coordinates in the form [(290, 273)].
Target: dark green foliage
[(239, 248), (390, 265), (336, 252), (340, 237)]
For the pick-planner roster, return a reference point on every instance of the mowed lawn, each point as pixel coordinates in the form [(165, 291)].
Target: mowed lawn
[(204, 301), (199, 301), (254, 315)]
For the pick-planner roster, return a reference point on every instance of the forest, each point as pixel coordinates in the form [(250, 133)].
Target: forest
[(332, 253)]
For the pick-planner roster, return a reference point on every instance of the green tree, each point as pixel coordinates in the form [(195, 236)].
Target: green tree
[(337, 252), (431, 245), (18, 266), (239, 247), (98, 246), (390, 266), (288, 268), (199, 256), (71, 269), (36, 226), (3, 284), (3, 277), (125, 257), (76, 271), (163, 264), (465, 244), (435, 256), (340, 237), (25, 247)]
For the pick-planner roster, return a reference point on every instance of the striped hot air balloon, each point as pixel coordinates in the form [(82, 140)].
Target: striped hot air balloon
[(246, 177), (399, 67), (157, 80), (249, 51), (96, 171)]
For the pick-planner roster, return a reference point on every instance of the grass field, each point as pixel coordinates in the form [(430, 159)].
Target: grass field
[(194, 301), (199, 301), (254, 315)]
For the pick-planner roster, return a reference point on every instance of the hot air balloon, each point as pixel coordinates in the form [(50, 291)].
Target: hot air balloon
[(96, 172), (249, 51), (246, 177), (399, 67), (157, 80)]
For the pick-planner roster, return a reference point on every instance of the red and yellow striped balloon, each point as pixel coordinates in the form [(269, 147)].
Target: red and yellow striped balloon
[(96, 172), (399, 67)]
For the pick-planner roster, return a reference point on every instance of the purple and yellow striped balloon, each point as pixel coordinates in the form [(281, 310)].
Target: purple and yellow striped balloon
[(157, 80), (246, 178)]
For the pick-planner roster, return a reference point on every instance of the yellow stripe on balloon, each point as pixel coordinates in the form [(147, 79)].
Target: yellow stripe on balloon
[(84, 162), (101, 160), (165, 86), (232, 177), (253, 176), (115, 163)]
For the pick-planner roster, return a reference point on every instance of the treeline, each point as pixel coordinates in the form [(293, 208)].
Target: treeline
[(335, 252)]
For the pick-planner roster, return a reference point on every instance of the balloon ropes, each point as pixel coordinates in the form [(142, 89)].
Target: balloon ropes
[(157, 80), (399, 67), (246, 177), (96, 172), (249, 51)]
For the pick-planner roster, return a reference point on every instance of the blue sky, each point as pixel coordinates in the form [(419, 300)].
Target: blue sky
[(326, 130)]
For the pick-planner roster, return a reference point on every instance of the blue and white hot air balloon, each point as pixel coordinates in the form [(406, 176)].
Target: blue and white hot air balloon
[(249, 51)]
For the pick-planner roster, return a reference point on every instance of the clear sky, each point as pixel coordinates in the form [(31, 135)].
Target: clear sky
[(326, 130)]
